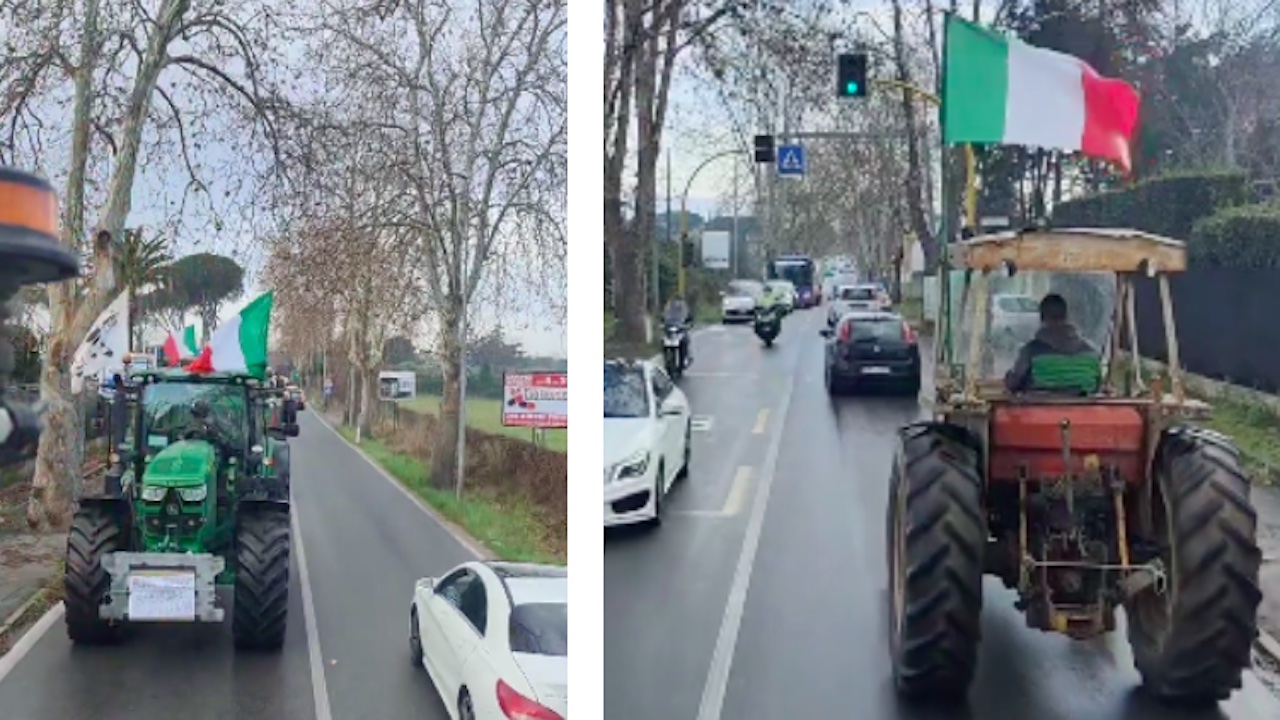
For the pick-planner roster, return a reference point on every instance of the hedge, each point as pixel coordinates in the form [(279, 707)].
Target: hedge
[(1247, 236), (1169, 205)]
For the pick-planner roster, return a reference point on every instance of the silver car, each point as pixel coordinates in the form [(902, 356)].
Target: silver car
[(738, 302)]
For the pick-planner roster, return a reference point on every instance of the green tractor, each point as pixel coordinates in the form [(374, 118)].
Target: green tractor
[(196, 497)]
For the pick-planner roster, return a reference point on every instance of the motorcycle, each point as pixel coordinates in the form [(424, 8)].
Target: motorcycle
[(768, 325), (673, 337)]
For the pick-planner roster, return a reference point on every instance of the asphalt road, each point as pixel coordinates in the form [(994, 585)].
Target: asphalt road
[(762, 596), (365, 543)]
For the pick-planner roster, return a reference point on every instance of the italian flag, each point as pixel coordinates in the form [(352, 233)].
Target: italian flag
[(998, 89), (239, 344), (177, 349)]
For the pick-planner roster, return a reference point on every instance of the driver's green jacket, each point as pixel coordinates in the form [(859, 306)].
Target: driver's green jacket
[(773, 298)]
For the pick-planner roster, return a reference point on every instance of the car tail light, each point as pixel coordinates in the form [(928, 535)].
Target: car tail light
[(846, 331), (908, 335), (518, 707)]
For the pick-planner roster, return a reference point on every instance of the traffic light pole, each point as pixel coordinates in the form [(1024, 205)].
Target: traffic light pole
[(684, 214)]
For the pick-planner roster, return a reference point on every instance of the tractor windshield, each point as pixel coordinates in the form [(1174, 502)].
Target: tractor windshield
[(1008, 325), (166, 409)]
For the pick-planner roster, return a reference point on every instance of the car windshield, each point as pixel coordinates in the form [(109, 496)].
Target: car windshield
[(166, 410), (1018, 304), (875, 328), (1090, 300), (625, 392), (540, 629)]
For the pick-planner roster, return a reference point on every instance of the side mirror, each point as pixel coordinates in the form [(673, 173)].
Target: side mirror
[(826, 332)]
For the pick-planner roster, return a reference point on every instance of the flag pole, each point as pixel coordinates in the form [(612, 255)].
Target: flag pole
[(944, 349)]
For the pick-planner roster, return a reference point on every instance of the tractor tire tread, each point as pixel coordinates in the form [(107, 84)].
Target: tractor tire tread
[(261, 608), (1215, 619), (93, 534), (945, 537)]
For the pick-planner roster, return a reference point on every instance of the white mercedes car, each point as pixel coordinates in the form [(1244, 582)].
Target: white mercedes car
[(647, 441), (493, 637)]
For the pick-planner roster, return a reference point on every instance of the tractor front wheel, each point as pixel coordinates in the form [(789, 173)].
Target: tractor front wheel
[(262, 580), (936, 539), (95, 532), (1192, 642)]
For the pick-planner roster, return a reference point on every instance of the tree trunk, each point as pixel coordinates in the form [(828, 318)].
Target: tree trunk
[(57, 478), (444, 445), (365, 419)]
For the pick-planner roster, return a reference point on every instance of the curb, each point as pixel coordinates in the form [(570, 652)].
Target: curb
[(22, 610), (1269, 646), (464, 538)]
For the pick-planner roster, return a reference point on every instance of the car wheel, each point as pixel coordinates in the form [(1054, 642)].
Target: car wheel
[(829, 379), (415, 639), (465, 710), (658, 492), (688, 450)]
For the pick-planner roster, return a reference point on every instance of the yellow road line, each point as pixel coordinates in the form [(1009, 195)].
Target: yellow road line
[(737, 497), (761, 421)]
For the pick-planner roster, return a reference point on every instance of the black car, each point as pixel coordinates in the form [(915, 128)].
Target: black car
[(872, 348)]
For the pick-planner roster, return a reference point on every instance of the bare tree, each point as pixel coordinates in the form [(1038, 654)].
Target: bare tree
[(468, 111), (104, 65)]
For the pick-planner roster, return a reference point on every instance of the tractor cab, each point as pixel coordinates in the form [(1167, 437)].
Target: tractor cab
[(1057, 469)]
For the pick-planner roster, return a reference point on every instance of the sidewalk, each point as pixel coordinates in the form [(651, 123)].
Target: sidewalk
[(28, 562)]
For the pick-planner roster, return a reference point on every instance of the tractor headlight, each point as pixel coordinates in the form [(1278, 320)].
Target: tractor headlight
[(153, 493), (193, 494)]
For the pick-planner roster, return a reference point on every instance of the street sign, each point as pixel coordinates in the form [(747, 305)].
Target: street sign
[(791, 161)]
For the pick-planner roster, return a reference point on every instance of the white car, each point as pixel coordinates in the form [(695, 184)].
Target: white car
[(738, 302), (849, 298), (1014, 319), (493, 638), (647, 441), (788, 291)]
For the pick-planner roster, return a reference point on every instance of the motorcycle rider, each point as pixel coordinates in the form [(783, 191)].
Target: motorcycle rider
[(1056, 336), (678, 314)]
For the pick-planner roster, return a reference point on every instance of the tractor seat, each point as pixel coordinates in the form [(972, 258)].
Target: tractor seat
[(1079, 374)]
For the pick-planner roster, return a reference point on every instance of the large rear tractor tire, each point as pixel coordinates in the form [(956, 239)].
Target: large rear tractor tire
[(95, 532), (936, 539), (1192, 642), (262, 580)]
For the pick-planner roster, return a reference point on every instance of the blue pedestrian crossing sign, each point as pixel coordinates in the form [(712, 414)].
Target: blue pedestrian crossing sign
[(791, 161)]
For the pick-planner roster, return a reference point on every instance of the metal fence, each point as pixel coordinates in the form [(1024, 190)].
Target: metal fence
[(1227, 324)]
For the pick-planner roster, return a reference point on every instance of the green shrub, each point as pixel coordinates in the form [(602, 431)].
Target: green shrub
[(1168, 205), (1247, 236)]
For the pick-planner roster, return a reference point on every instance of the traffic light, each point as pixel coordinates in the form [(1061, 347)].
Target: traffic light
[(851, 75), (688, 253), (764, 149)]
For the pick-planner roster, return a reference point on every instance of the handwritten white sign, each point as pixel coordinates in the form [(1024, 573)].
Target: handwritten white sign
[(162, 595)]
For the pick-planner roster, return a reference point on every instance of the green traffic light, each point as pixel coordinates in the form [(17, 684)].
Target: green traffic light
[(851, 88)]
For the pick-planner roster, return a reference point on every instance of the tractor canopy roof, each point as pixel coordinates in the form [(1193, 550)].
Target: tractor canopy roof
[(1071, 250), (180, 375)]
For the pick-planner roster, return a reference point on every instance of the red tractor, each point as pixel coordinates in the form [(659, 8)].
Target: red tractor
[(1097, 490)]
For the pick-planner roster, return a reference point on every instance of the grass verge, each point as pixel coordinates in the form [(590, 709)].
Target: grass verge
[(485, 415), (509, 527)]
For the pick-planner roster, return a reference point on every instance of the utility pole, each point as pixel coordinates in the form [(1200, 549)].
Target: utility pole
[(735, 246), (653, 260)]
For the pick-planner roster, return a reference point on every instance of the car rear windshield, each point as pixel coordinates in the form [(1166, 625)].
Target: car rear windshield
[(1018, 304), (540, 629), (885, 328), (625, 394), (862, 293)]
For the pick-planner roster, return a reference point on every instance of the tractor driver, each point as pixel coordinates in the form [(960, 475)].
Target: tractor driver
[(1056, 336)]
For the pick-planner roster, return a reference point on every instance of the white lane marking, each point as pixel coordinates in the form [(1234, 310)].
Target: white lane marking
[(700, 423), (319, 686), (738, 492), (30, 639), (468, 544), (713, 693), (762, 421)]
